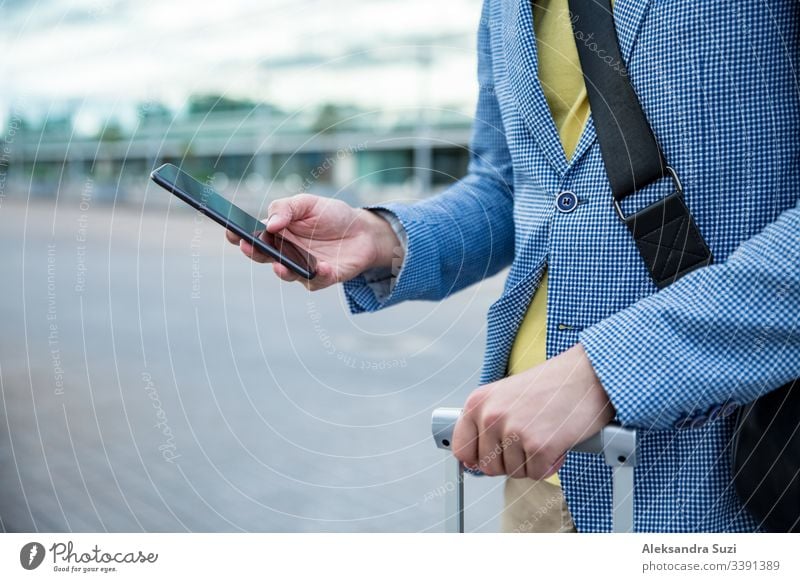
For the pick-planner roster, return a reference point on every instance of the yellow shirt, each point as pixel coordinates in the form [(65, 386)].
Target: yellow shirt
[(561, 79)]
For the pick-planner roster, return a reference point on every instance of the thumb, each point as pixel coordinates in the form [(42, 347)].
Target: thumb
[(326, 276), (283, 211)]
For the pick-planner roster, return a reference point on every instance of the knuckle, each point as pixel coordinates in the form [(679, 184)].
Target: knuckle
[(512, 431), (463, 451), (460, 453), (306, 199), (493, 417), (548, 448), (459, 440), (532, 445), (299, 201), (474, 401)]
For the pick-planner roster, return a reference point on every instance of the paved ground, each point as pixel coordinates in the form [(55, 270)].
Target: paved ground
[(152, 379)]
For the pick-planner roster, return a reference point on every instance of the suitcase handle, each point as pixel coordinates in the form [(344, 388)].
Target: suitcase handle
[(618, 445)]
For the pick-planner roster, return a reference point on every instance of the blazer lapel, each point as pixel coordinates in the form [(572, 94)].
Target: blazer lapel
[(628, 18), (523, 69)]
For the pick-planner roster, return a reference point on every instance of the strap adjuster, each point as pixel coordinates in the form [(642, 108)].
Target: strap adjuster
[(675, 180)]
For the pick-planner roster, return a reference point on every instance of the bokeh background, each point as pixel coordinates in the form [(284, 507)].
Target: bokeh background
[(153, 379)]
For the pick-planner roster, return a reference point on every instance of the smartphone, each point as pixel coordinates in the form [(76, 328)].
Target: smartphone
[(221, 210)]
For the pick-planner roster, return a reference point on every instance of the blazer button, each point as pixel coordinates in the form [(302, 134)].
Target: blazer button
[(684, 423), (566, 201)]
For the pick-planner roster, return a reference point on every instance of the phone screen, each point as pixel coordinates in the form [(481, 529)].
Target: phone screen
[(209, 202)]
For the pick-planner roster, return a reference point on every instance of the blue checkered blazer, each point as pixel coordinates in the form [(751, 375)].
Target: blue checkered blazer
[(718, 81)]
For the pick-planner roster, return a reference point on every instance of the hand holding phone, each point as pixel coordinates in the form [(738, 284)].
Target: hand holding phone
[(346, 241)]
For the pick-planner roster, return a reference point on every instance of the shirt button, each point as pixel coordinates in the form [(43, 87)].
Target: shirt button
[(684, 423), (566, 201)]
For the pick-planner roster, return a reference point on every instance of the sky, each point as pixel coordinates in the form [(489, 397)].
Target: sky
[(101, 57)]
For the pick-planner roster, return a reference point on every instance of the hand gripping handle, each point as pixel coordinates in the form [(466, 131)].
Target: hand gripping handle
[(618, 445)]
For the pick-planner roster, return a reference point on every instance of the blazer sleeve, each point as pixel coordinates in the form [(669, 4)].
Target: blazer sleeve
[(466, 233), (726, 333)]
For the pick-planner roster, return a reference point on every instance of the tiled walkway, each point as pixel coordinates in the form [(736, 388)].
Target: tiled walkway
[(153, 379)]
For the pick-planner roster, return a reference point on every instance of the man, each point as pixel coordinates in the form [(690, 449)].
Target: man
[(717, 82)]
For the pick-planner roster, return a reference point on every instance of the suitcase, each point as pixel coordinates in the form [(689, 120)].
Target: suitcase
[(617, 445)]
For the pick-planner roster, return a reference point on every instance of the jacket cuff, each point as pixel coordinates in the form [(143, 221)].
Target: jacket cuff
[(612, 349), (418, 273), (383, 279), (644, 365)]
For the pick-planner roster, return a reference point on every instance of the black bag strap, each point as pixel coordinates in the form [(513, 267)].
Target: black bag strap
[(665, 232)]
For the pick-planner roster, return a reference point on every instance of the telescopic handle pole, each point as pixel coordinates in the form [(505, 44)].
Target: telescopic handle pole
[(443, 424)]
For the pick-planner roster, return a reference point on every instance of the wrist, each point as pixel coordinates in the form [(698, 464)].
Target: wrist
[(591, 408), (387, 247), (594, 393)]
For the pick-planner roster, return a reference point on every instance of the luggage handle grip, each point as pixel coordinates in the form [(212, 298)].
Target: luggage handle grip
[(618, 445)]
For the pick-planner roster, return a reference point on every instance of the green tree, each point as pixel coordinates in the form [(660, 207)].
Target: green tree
[(203, 104)]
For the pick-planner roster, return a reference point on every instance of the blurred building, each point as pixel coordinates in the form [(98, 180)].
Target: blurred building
[(250, 151)]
